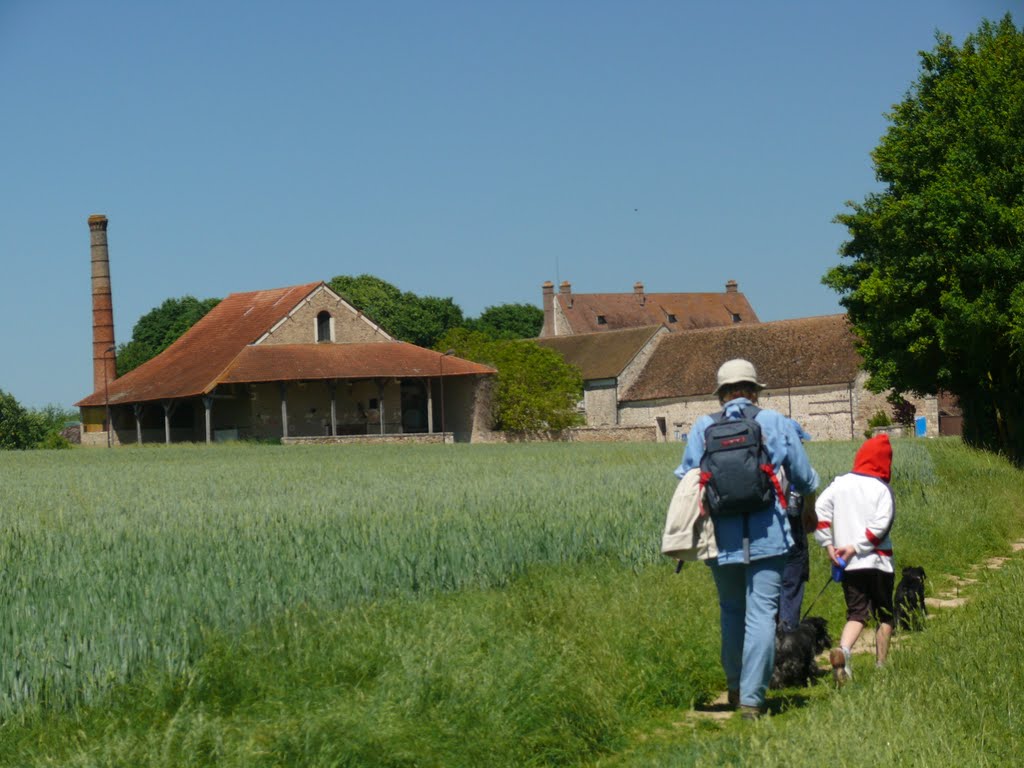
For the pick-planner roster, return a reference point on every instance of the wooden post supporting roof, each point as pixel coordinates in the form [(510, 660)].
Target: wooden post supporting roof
[(332, 387), (430, 409), (284, 408), (137, 408), (169, 406), (208, 407)]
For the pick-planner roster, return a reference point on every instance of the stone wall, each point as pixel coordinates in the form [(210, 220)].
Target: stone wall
[(349, 325), (826, 412), (410, 439), (613, 435), (601, 403), (573, 435), (482, 406), (867, 404)]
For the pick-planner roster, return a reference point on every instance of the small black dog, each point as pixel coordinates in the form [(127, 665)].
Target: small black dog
[(795, 652), (909, 601)]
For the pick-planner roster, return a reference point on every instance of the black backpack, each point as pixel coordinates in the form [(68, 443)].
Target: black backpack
[(735, 470)]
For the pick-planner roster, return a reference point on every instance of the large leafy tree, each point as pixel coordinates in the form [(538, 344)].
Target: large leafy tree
[(934, 286), (509, 321), (535, 388), (159, 328), (420, 320)]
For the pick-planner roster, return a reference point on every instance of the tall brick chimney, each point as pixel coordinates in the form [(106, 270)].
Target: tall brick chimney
[(548, 295), (104, 363), (638, 291)]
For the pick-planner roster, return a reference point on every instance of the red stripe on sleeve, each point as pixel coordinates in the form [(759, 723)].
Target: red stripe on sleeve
[(823, 525), (875, 541)]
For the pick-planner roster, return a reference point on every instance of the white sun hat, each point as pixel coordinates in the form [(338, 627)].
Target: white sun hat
[(735, 371)]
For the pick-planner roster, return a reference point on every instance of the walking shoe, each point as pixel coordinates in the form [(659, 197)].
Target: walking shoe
[(840, 666), (748, 712), (733, 698)]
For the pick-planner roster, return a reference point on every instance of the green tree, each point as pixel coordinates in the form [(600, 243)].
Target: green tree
[(420, 320), (935, 283), (51, 420), (509, 321), (535, 387), (18, 429), (159, 328)]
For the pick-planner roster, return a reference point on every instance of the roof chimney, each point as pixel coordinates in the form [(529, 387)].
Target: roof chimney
[(104, 363), (638, 291), (565, 289), (548, 296), (732, 286)]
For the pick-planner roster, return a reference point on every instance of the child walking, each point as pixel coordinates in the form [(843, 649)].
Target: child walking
[(855, 515)]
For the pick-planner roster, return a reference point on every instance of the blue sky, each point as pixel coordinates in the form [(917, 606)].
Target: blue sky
[(463, 149)]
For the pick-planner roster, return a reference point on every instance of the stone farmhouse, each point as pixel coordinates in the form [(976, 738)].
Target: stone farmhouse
[(640, 370), (293, 363)]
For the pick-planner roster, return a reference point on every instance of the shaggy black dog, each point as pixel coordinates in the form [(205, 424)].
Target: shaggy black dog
[(795, 652), (909, 600)]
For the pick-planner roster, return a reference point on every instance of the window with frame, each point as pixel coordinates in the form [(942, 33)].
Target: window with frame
[(323, 326)]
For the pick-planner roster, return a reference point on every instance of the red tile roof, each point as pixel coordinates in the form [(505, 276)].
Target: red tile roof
[(195, 363), (308, 362), (805, 352), (626, 310)]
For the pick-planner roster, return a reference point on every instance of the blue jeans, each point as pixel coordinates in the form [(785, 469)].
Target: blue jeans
[(794, 576), (748, 596)]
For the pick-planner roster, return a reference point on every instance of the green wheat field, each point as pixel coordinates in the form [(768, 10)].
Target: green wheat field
[(507, 605)]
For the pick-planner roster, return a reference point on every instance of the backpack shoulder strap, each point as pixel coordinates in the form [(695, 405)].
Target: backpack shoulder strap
[(719, 416), (750, 411)]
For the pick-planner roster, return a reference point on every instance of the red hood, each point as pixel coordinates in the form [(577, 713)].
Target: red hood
[(874, 458)]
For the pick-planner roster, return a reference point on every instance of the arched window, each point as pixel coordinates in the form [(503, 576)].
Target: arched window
[(323, 326)]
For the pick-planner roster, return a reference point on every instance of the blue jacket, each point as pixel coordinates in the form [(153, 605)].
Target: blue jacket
[(768, 528)]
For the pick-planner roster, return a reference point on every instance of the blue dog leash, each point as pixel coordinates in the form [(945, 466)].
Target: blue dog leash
[(836, 575)]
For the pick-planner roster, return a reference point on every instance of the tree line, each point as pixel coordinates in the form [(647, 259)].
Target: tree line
[(22, 428)]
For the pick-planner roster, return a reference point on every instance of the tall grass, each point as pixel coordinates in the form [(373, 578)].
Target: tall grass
[(117, 559), (553, 669), (268, 633)]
